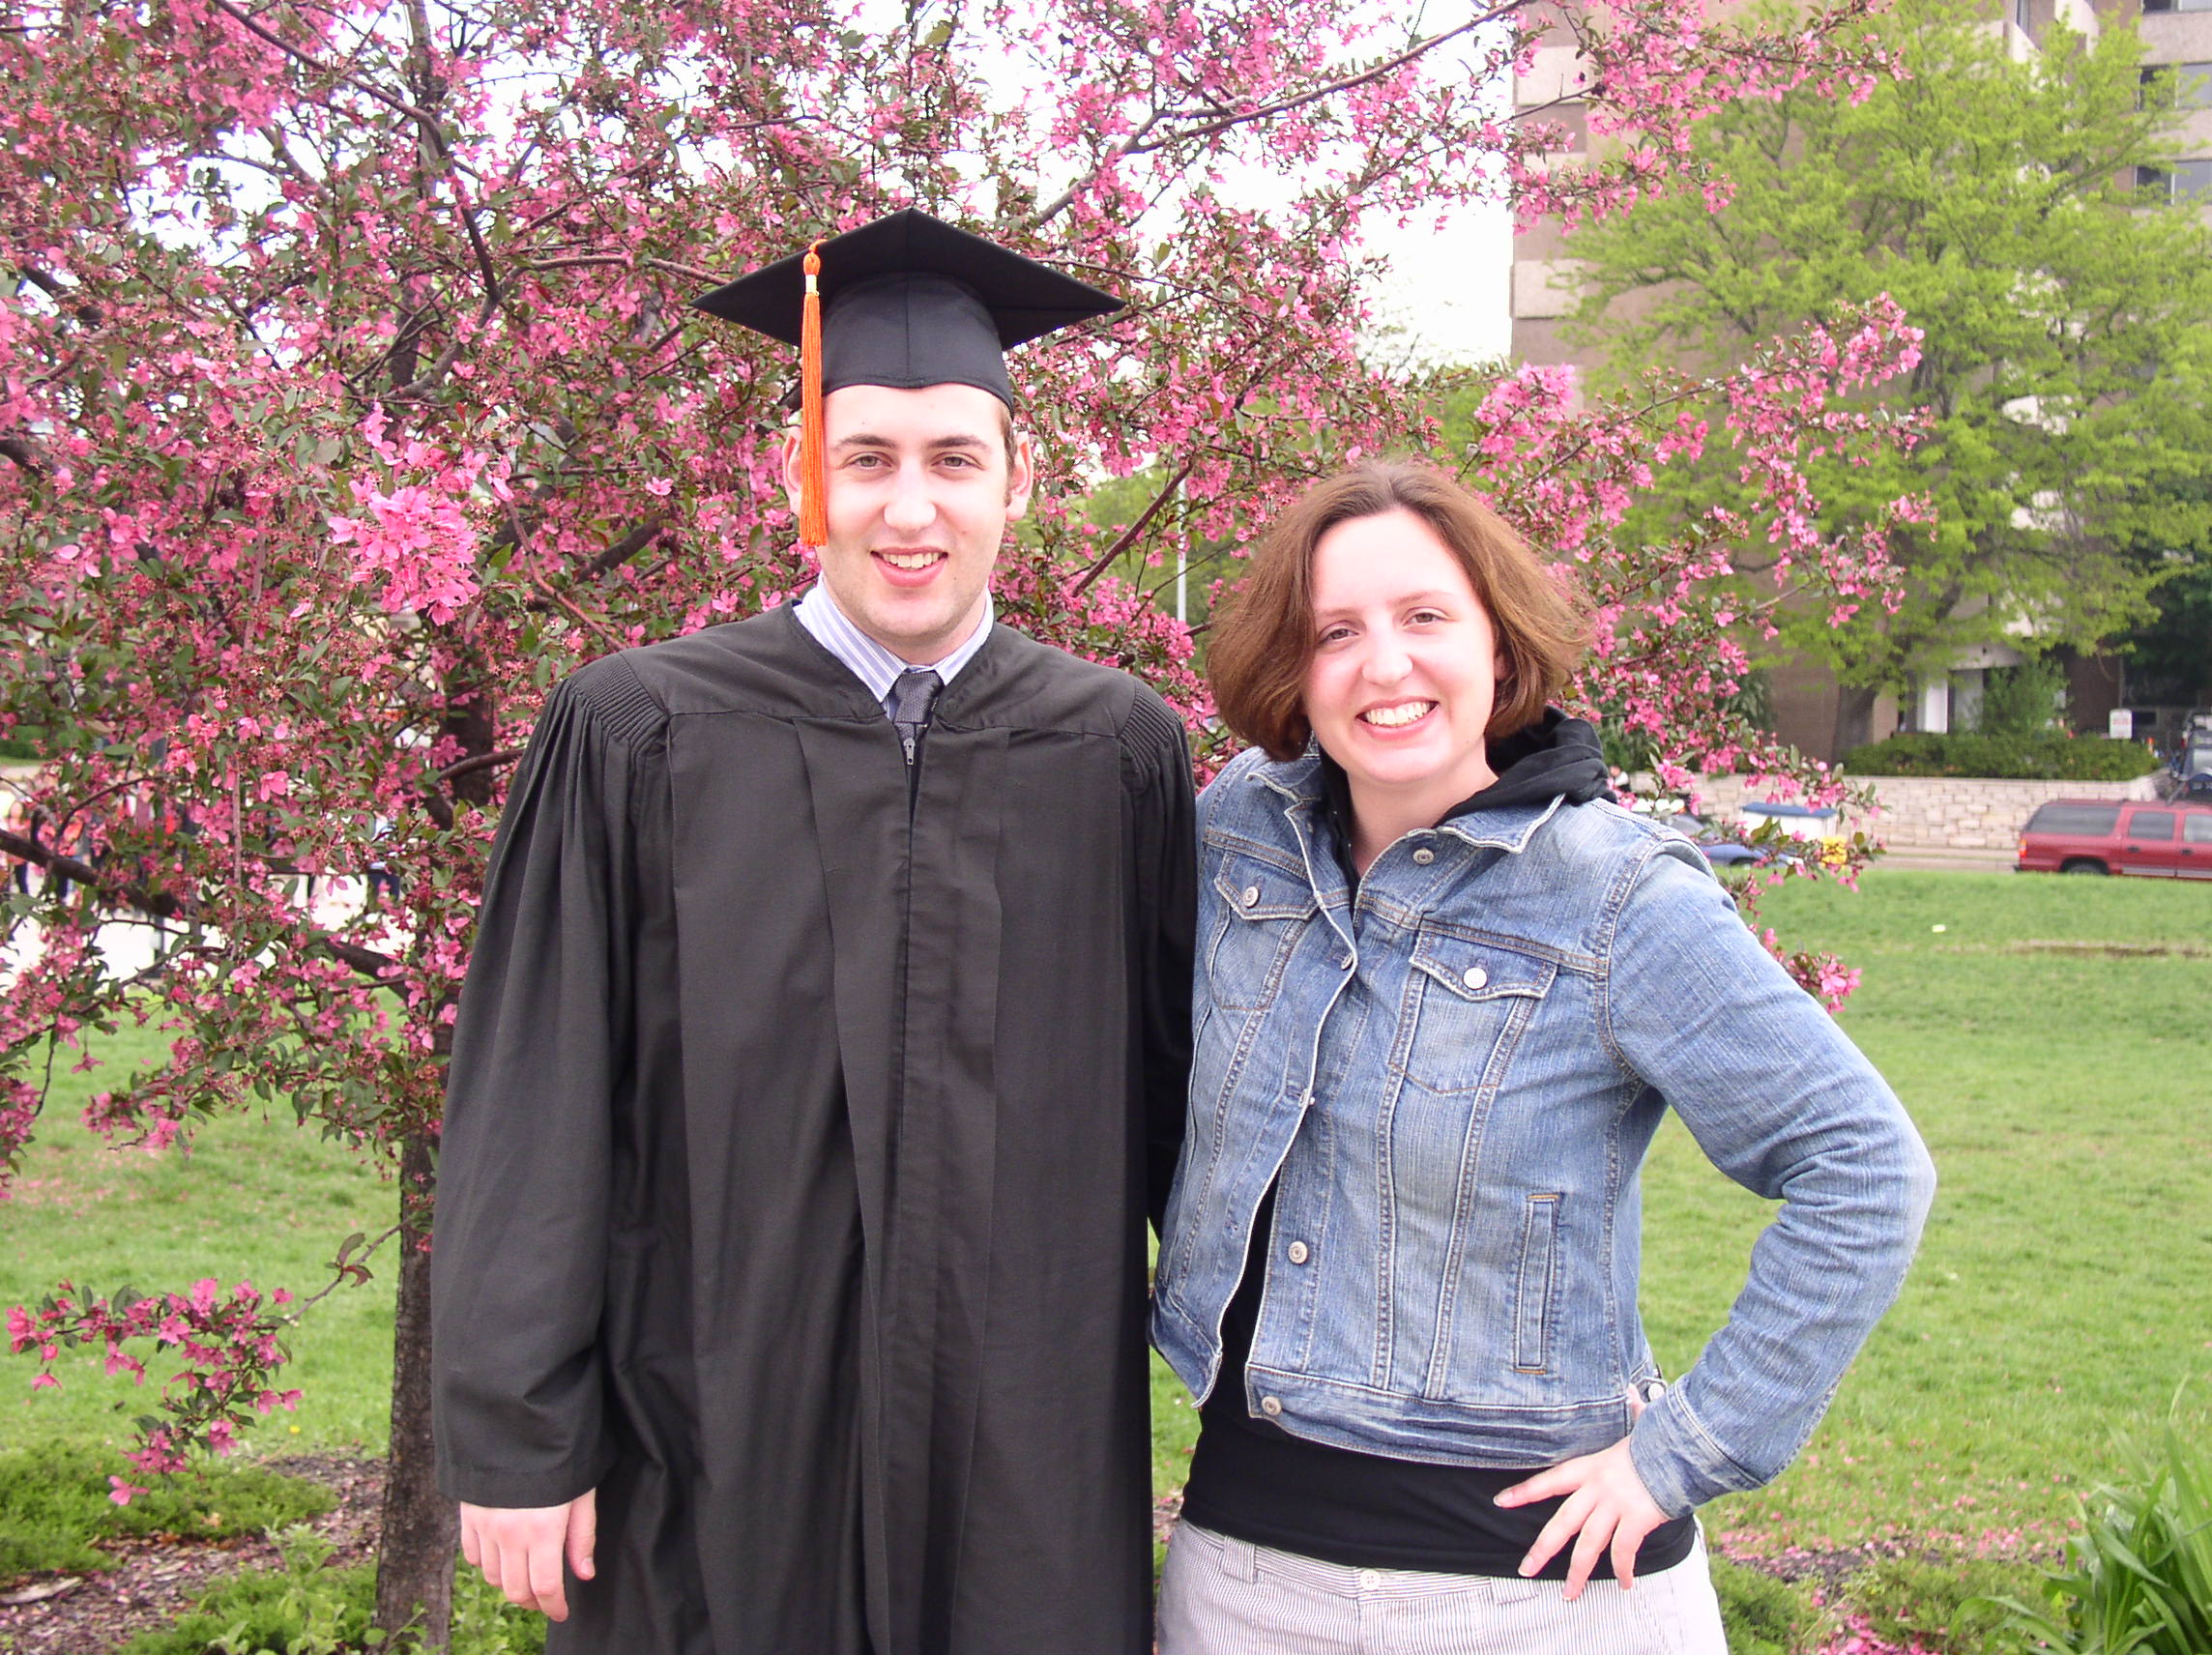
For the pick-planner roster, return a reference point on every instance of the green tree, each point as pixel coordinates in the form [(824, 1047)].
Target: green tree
[(2067, 316), (2169, 657)]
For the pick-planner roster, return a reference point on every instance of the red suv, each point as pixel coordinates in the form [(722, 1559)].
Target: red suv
[(2170, 840)]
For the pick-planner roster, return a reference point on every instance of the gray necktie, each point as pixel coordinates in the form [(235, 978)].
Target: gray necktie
[(913, 694)]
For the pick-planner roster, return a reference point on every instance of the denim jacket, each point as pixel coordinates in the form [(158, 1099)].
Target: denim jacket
[(1455, 1079)]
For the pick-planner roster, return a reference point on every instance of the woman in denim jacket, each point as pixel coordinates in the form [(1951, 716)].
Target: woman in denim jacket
[(1446, 988)]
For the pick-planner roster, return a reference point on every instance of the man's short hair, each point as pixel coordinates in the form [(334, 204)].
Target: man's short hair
[(1264, 642)]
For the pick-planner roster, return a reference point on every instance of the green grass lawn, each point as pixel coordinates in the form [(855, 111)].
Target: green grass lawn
[(254, 1199), (2064, 1292)]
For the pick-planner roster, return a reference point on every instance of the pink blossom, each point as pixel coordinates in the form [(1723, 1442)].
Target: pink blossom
[(347, 475)]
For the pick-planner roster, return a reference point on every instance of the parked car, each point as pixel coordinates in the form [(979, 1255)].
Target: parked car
[(2169, 839), (2192, 761), (1722, 848), (1796, 820)]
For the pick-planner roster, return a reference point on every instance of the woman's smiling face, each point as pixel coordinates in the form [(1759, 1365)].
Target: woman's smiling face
[(1405, 668)]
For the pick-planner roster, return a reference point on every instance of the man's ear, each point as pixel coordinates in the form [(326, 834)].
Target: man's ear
[(790, 488), (1021, 479)]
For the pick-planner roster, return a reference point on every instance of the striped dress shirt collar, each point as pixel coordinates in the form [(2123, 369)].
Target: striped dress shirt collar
[(870, 661)]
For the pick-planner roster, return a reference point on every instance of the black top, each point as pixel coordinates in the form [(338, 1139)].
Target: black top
[(909, 301), (1253, 1480), (797, 1149)]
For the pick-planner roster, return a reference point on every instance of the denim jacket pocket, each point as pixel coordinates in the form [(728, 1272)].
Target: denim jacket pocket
[(1468, 1003), (1259, 913), (1536, 1284)]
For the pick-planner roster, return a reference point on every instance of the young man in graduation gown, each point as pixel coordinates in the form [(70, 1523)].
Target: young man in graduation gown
[(824, 1041)]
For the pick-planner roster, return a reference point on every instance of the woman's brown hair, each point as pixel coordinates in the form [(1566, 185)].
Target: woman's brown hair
[(1264, 639)]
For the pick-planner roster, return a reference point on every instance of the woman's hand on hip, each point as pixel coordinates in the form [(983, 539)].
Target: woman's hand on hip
[(1607, 1506)]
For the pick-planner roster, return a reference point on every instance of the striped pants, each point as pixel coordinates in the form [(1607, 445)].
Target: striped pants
[(1220, 1596)]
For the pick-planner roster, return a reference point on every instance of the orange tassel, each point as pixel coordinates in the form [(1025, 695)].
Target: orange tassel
[(813, 480)]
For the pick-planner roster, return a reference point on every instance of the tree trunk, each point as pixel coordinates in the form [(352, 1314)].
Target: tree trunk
[(422, 1527), (1854, 717)]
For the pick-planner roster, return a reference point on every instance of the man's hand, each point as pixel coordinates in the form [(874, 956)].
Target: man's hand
[(520, 1550), (1607, 1503)]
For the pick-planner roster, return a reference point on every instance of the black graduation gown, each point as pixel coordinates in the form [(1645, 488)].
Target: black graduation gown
[(799, 1143)]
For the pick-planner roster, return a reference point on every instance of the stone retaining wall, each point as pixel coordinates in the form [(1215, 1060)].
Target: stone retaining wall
[(1963, 813)]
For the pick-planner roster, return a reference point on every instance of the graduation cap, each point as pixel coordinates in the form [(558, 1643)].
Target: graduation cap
[(908, 301)]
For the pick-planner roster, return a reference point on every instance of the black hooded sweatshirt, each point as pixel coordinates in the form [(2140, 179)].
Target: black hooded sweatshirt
[(1252, 1480)]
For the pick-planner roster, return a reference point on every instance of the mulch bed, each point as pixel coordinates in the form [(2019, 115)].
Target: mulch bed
[(157, 1578)]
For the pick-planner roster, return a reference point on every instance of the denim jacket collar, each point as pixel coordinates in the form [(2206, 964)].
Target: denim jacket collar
[(1505, 828)]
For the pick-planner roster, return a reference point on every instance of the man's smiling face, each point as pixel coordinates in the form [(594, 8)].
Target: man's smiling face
[(921, 489)]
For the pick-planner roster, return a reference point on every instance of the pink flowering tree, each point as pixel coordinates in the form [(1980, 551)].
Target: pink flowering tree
[(348, 399)]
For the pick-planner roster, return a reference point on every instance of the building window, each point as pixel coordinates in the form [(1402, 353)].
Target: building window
[(2020, 15), (2177, 5), (2183, 181), (2177, 86)]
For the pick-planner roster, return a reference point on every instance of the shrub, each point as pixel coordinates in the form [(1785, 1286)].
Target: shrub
[(55, 1506), (2022, 700), (307, 1608), (1946, 1606), (2038, 758), (1763, 1615), (2138, 1576)]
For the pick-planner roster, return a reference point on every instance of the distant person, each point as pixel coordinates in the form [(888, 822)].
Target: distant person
[(381, 879), (1449, 989), (21, 822)]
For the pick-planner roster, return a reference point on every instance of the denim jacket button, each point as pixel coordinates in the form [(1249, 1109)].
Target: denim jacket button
[(1344, 962), (1475, 977), (1297, 1253), (1270, 1405), (1424, 856), (1251, 895)]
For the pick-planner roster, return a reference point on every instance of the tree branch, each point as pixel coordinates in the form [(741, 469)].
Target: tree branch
[(607, 562), (68, 867), (82, 307), (481, 762), (366, 961), (1128, 536), (1314, 94), (1143, 143), (400, 106), (624, 549), (468, 218), (167, 904), (350, 1265)]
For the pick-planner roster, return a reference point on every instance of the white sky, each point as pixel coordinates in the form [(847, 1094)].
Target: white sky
[(1445, 298), (1448, 292)]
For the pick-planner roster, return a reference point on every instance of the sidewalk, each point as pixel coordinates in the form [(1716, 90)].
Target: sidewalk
[(1946, 856), (126, 942)]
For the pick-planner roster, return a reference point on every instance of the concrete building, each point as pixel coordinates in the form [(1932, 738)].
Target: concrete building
[(2177, 42)]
